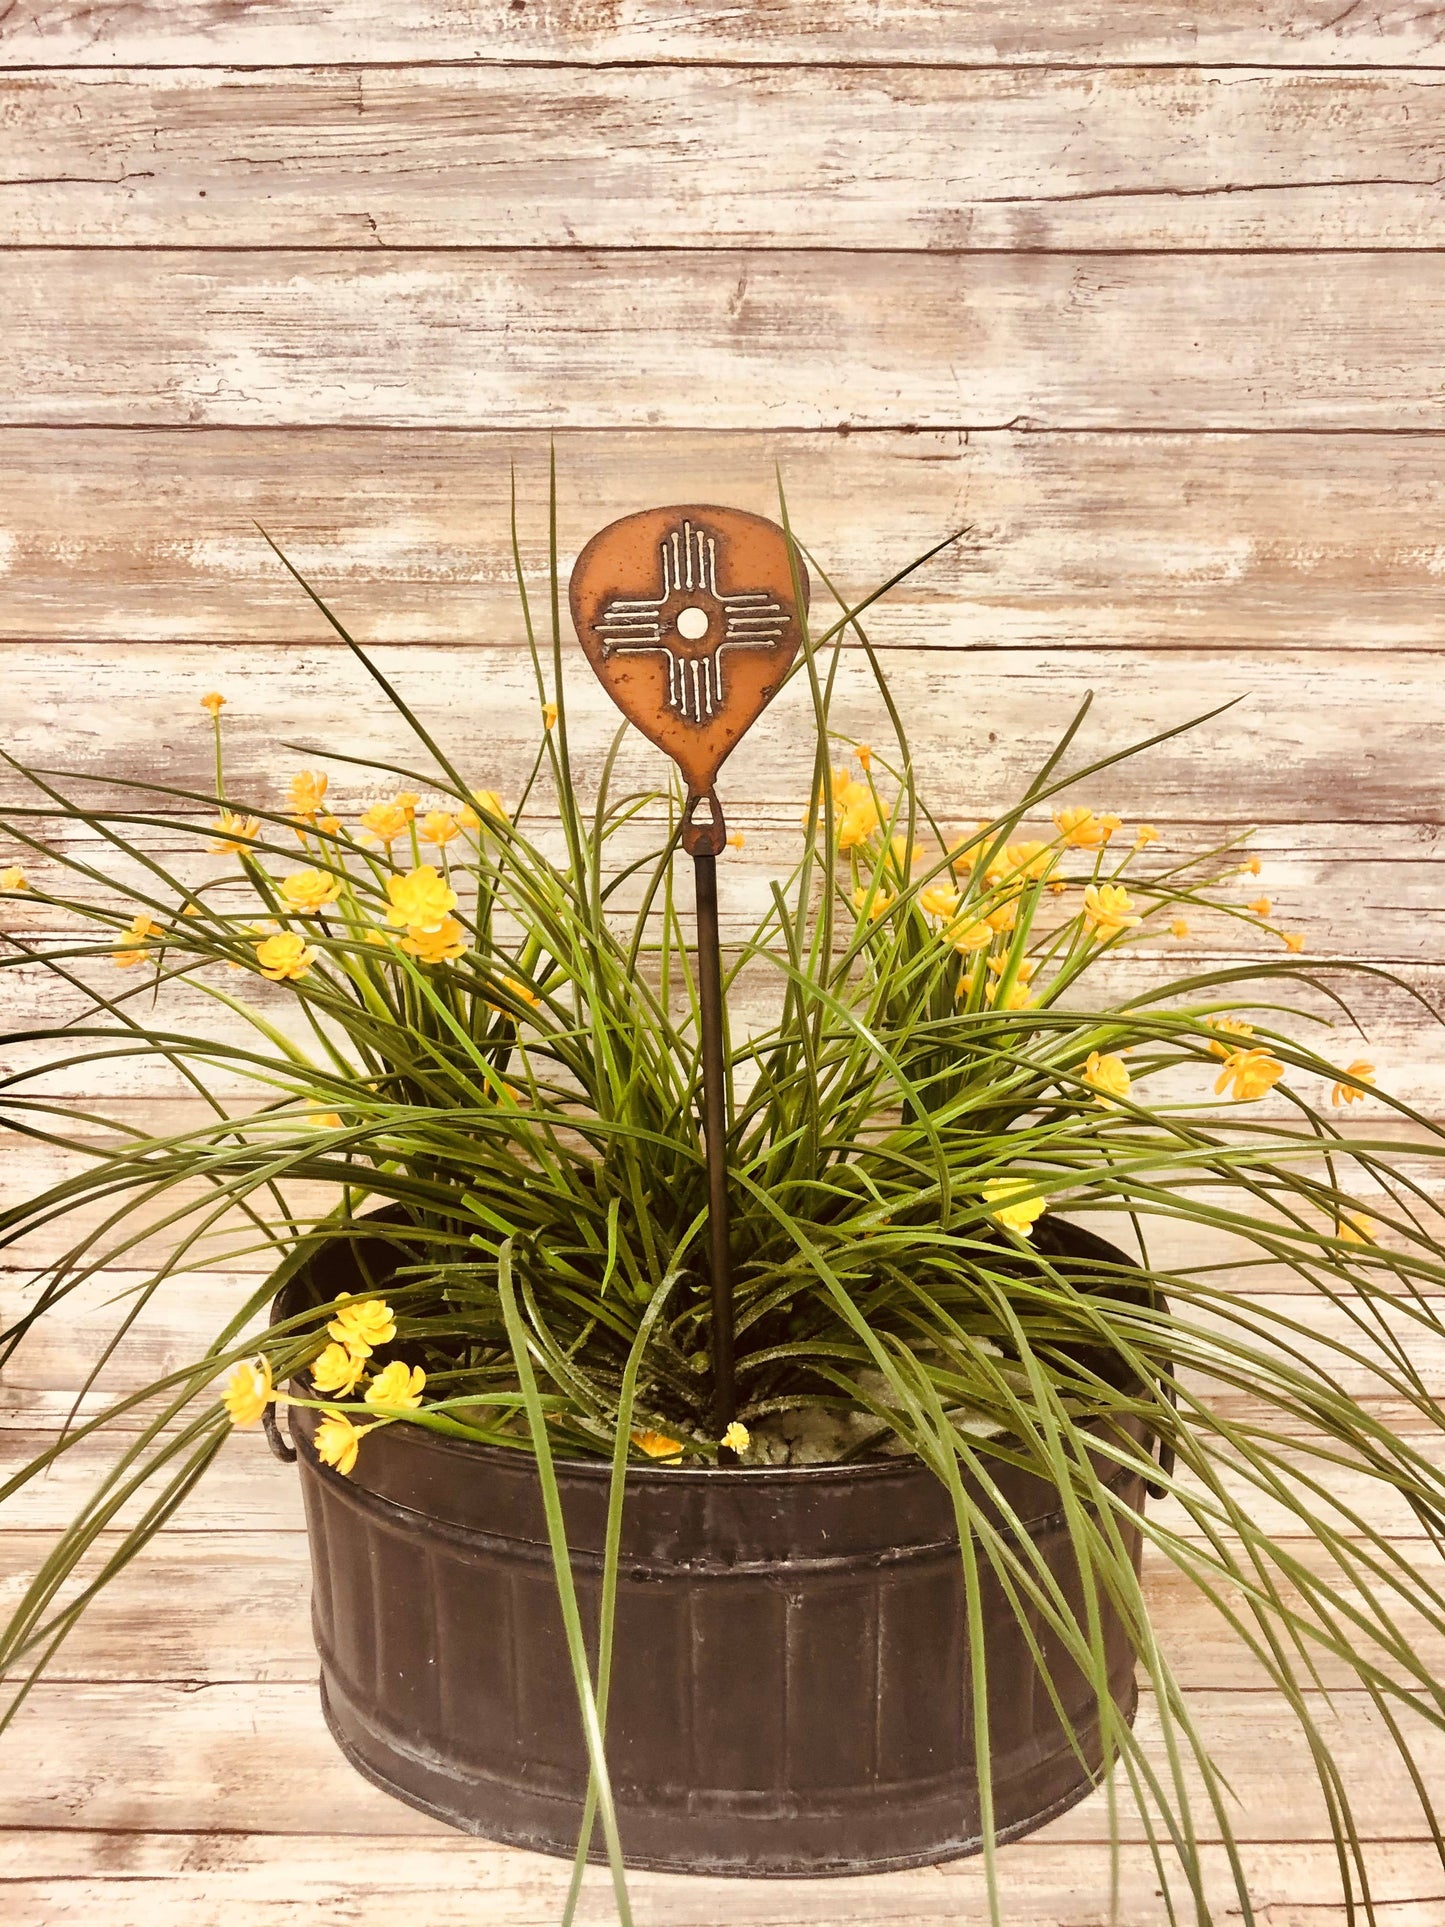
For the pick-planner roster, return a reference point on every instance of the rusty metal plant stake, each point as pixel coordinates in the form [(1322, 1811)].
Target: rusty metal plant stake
[(690, 617)]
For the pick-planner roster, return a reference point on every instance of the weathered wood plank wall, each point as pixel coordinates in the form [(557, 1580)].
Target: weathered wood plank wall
[(1150, 297)]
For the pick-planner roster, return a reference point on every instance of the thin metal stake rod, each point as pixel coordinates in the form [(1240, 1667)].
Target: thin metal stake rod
[(714, 1123)]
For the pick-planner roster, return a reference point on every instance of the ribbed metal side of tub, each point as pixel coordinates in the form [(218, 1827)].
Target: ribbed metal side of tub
[(791, 1680)]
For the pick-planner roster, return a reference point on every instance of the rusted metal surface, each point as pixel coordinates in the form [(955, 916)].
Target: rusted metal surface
[(690, 619)]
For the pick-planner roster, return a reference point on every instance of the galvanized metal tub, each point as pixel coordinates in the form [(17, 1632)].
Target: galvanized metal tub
[(791, 1684)]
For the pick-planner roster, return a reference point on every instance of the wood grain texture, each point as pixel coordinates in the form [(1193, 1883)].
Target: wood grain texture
[(74, 1877), (1380, 891), (723, 340), (694, 157), (256, 1757), (1113, 540), (1317, 735), (864, 32)]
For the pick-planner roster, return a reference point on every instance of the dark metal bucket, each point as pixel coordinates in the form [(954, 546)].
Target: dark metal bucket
[(791, 1689)]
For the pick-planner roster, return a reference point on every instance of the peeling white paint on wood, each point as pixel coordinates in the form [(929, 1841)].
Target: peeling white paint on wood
[(693, 156), (724, 340)]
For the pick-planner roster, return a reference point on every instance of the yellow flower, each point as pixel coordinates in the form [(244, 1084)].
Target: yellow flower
[(1293, 939), (1081, 828), (1014, 1203), (1108, 909), (969, 853), (1364, 1073), (191, 910), (439, 827), (1005, 916), (524, 993), (234, 831), (13, 878), (382, 937), (1015, 998), (308, 789), (1229, 1027), (549, 715), (337, 1370), (307, 891), (1145, 835), (406, 802), (938, 901), (1179, 928), (215, 702), (1261, 906), (248, 1391), (325, 1120), (488, 803), (858, 818), (1107, 1076), (865, 757), (361, 1324), (385, 822), (657, 1445), (1025, 972), (882, 902), (1251, 1072), (970, 936), (737, 1438), (1355, 1228), (420, 901), (736, 840), (397, 1385), (1030, 859), (1250, 867), (442, 945), (132, 947), (330, 824), (284, 956), (338, 1441)]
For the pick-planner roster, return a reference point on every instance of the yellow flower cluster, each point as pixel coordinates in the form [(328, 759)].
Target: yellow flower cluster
[(488, 804), (285, 956), (248, 1391), (235, 832), (1360, 1072), (359, 1328), (1250, 1073), (421, 903), (1107, 1076), (308, 792), (1014, 1202), (1083, 830), (307, 891), (1108, 910), (133, 944)]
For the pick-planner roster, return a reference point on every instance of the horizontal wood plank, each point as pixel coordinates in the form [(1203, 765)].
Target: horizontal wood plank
[(1383, 891), (1294, 749), (1115, 540), (257, 1757), (76, 1877), (723, 340), (690, 157), (912, 32)]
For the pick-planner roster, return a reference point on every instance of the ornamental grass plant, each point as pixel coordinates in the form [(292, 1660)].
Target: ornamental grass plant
[(468, 1013)]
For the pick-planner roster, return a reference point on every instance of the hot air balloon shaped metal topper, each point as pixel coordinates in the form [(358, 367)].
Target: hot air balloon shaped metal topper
[(691, 618)]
